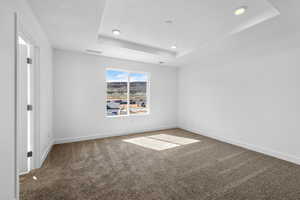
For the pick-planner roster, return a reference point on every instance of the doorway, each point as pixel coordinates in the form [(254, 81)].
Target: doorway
[(25, 105), (27, 91)]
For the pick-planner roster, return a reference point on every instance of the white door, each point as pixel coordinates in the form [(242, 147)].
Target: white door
[(22, 96)]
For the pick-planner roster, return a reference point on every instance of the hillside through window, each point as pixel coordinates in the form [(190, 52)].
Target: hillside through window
[(127, 93)]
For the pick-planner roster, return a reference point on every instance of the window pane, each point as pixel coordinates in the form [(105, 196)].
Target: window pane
[(117, 83), (138, 93)]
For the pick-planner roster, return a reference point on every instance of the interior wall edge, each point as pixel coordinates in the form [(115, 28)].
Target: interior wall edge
[(252, 147), (46, 152)]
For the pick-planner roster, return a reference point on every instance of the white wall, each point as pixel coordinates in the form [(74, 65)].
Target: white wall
[(80, 96), (7, 101), (30, 23), (246, 90)]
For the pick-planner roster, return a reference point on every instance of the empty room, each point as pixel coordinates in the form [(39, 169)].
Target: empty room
[(150, 100)]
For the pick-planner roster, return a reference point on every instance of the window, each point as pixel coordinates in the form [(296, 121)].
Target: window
[(127, 93)]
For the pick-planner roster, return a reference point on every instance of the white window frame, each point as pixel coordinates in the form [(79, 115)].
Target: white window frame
[(128, 92)]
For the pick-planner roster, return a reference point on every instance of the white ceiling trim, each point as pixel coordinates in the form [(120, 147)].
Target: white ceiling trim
[(119, 43)]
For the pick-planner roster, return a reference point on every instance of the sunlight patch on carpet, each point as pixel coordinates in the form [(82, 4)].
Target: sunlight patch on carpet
[(151, 143), (174, 139), (161, 141)]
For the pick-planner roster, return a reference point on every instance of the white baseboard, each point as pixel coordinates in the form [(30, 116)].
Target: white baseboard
[(106, 135), (46, 152), (23, 173), (251, 147)]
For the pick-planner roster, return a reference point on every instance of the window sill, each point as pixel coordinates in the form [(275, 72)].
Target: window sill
[(130, 115)]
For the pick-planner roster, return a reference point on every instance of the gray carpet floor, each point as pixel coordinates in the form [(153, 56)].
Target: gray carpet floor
[(112, 169)]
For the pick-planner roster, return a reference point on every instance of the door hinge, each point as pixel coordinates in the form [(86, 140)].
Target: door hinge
[(29, 61), (29, 107), (29, 154)]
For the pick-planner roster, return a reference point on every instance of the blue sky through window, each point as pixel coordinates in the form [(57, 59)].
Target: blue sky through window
[(134, 77), (121, 76), (116, 76)]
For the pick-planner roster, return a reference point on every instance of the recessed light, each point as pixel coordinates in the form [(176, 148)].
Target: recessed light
[(168, 21), (173, 47), (240, 10), (161, 62), (116, 32)]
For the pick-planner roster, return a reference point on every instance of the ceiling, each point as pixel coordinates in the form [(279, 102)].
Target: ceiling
[(148, 27)]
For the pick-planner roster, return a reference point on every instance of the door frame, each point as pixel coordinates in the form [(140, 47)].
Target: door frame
[(36, 158)]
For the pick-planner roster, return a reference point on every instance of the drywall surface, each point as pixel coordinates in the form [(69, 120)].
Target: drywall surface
[(256, 104), (7, 102), (246, 89), (80, 97)]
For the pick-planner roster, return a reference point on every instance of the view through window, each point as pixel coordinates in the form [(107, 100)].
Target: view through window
[(127, 93)]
